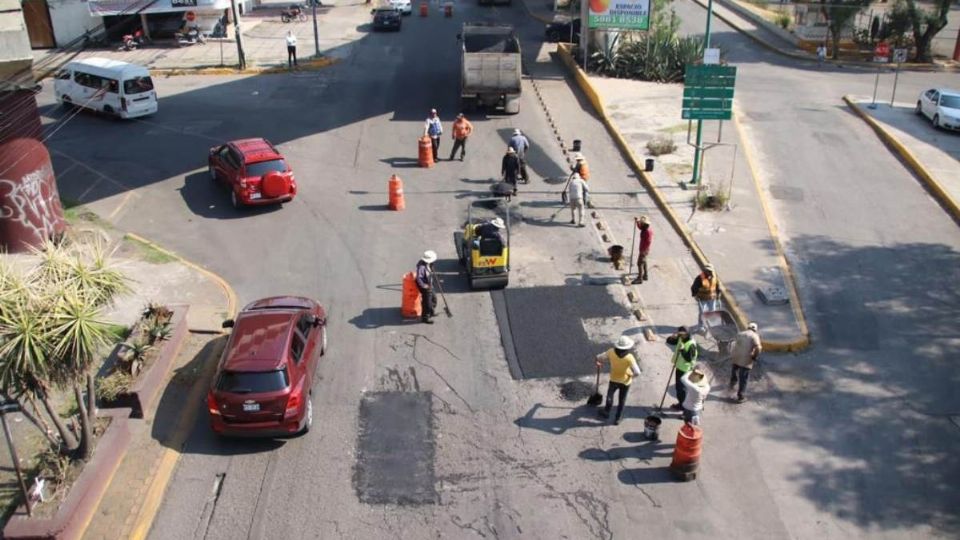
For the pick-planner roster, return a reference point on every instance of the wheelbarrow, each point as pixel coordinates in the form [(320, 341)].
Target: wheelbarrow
[(723, 329)]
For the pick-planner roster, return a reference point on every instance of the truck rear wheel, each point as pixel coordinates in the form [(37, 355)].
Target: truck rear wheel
[(512, 106)]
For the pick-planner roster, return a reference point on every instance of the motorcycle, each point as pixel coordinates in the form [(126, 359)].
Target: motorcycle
[(294, 12), (190, 37), (132, 41)]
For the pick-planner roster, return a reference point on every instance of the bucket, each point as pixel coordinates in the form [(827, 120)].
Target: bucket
[(616, 255), (577, 144), (651, 427)]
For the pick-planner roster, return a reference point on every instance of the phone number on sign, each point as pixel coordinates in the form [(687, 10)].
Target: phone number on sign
[(620, 19)]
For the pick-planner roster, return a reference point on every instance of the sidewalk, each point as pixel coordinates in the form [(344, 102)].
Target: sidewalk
[(932, 154), (263, 35)]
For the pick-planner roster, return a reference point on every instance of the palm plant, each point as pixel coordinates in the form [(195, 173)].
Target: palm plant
[(26, 365), (78, 335)]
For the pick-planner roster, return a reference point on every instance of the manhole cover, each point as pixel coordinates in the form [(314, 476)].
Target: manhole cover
[(395, 449), (773, 296), (576, 390)]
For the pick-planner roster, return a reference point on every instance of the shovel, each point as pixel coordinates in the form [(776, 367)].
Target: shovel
[(446, 308), (596, 398)]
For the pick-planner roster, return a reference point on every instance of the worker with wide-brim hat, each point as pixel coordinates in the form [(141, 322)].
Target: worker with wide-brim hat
[(623, 368), (424, 278)]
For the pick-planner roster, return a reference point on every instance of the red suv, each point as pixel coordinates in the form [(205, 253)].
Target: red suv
[(255, 171), (264, 382)]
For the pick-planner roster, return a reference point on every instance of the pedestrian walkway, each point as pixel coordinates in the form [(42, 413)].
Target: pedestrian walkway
[(932, 154), (262, 35)]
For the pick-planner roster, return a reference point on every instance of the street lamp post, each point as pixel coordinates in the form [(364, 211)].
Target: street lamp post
[(242, 61), (316, 32), (696, 149)]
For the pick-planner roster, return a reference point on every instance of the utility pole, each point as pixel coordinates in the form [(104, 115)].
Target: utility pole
[(236, 31), (696, 149), (584, 30), (316, 33)]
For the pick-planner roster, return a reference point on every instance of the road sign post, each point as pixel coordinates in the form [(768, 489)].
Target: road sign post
[(707, 95), (881, 55), (899, 56), (696, 149)]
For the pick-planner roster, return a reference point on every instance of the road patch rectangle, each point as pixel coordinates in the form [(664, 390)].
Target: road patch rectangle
[(395, 449)]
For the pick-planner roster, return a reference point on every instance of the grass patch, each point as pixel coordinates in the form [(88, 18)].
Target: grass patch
[(117, 332), (661, 146), (678, 169), (75, 212), (149, 253), (676, 128)]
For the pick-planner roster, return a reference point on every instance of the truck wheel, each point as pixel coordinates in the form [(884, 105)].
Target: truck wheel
[(512, 106)]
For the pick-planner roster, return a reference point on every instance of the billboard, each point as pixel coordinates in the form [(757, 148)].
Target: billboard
[(619, 14)]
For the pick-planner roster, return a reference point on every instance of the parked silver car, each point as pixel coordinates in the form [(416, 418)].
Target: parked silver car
[(941, 106)]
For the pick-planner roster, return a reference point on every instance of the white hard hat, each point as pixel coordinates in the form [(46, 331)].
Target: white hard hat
[(578, 156), (516, 131), (498, 223), (752, 326), (510, 150), (624, 343), (429, 256)]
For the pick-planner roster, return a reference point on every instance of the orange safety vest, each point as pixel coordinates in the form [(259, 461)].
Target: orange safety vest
[(583, 170), (462, 129), (708, 287)]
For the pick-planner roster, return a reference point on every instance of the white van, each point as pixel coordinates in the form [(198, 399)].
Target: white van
[(109, 86)]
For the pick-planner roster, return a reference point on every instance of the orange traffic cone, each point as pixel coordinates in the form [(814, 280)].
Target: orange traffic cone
[(425, 157), (423, 9), (395, 187), (410, 307)]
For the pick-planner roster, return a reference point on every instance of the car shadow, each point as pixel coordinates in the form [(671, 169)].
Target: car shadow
[(210, 199), (184, 395)]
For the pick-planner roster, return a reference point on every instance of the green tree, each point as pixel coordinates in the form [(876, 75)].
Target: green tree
[(926, 24), (840, 14)]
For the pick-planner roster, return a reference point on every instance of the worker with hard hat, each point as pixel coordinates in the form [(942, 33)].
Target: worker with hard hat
[(434, 129), (491, 229), (706, 290), (520, 145), (510, 168), (580, 166), (746, 349), (424, 278)]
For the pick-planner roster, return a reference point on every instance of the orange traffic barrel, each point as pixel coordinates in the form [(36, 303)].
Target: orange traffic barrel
[(448, 9), (395, 188), (423, 9), (410, 306), (686, 454), (425, 157)]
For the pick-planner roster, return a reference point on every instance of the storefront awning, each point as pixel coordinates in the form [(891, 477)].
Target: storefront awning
[(100, 8)]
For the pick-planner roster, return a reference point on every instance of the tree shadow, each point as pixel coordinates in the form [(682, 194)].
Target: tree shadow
[(877, 395), (176, 399)]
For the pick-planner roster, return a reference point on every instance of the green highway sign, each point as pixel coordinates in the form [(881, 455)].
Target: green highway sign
[(708, 92)]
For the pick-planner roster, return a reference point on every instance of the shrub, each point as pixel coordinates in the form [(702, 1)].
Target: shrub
[(708, 199), (658, 57), (783, 19), (660, 146), (111, 387)]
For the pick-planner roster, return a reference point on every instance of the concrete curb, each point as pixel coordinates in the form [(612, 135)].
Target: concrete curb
[(809, 58), (914, 164), (675, 222), (227, 289), (151, 501), (309, 65)]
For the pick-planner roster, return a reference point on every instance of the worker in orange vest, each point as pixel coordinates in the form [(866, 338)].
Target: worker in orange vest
[(580, 167), (706, 289), (462, 128)]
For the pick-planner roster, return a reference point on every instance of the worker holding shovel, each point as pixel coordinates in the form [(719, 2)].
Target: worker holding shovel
[(623, 368)]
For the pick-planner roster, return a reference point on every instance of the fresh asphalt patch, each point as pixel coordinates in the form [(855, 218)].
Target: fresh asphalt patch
[(542, 328), (395, 449)]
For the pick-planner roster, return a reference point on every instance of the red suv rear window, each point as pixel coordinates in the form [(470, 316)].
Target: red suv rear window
[(263, 167), (256, 382)]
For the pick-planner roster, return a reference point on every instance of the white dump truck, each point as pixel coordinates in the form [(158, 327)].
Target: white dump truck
[(490, 66)]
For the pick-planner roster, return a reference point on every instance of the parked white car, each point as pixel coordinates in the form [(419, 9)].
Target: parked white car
[(941, 106), (405, 7)]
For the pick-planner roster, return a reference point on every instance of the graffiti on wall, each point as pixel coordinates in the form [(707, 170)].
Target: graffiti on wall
[(31, 203)]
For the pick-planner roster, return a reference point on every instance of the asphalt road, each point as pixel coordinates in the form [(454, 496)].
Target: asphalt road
[(853, 439), (875, 397)]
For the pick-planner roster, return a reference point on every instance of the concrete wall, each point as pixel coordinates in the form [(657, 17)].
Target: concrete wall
[(71, 19), (14, 42)]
